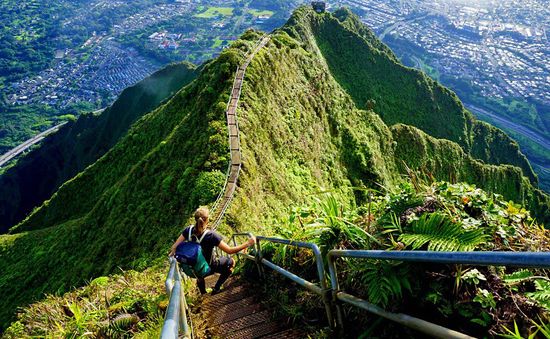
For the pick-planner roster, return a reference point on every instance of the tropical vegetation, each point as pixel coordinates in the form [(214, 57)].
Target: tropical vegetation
[(435, 217), (305, 129)]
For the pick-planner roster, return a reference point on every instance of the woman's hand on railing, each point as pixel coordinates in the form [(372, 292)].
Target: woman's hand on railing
[(251, 241)]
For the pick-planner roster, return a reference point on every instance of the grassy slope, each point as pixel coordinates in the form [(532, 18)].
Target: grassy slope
[(63, 155), (124, 209), (402, 94), (287, 109), (129, 304), (301, 132)]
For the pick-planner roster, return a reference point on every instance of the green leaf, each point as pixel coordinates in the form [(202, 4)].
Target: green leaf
[(517, 277), (440, 233)]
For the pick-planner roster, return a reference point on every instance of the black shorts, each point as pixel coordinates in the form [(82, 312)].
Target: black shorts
[(222, 265)]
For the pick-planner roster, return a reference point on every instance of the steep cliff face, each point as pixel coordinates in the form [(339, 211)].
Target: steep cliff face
[(125, 208), (60, 157), (303, 130), (373, 77)]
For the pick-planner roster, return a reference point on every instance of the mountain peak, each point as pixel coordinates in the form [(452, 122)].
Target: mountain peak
[(324, 106)]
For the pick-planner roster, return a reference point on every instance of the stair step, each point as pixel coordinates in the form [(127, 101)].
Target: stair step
[(234, 312), (254, 320), (290, 333), (225, 297), (256, 331), (211, 280), (229, 287), (232, 305)]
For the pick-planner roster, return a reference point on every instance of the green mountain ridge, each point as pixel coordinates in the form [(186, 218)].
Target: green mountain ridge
[(405, 95), (304, 129), (61, 156)]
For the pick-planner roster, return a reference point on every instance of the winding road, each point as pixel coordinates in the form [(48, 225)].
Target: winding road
[(540, 139), (25, 145)]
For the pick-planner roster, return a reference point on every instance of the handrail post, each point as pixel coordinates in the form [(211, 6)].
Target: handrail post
[(323, 283), (321, 290), (335, 288), (234, 240), (258, 257)]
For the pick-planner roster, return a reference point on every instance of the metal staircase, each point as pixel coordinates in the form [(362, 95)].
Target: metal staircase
[(237, 313), (226, 195)]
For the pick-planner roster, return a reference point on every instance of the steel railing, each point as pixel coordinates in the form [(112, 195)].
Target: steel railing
[(333, 297), (515, 259), (320, 289), (176, 314), (225, 196), (177, 311)]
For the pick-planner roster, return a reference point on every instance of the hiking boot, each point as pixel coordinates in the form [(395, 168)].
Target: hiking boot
[(216, 291)]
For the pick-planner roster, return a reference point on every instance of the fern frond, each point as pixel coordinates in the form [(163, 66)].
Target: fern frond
[(440, 233), (542, 294), (517, 277), (385, 281)]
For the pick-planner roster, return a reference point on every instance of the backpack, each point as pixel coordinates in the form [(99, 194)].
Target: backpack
[(189, 255)]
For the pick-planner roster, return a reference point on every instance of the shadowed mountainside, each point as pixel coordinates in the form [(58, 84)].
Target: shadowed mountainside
[(302, 130), (61, 156)]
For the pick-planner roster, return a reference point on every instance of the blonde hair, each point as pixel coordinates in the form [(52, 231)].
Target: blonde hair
[(201, 218)]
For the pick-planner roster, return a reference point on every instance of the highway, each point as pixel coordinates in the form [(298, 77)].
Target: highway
[(530, 134), (25, 145), (399, 23)]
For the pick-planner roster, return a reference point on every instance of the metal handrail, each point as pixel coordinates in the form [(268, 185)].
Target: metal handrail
[(244, 234), (176, 313), (321, 290), (516, 259), (237, 84)]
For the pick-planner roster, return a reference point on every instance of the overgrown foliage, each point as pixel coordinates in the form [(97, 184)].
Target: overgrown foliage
[(302, 132), (125, 305), (436, 217)]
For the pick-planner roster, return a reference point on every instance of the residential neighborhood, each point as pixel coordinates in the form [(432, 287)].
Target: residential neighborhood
[(129, 50), (501, 47)]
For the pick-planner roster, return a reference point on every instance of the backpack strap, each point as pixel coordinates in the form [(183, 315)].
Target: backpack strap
[(202, 236), (190, 235)]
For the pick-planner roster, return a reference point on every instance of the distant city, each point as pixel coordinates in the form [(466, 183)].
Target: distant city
[(501, 46), (109, 69), (126, 52), (494, 53), (101, 67)]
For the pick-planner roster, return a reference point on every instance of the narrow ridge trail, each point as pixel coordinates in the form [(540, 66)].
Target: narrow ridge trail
[(228, 190), (236, 312)]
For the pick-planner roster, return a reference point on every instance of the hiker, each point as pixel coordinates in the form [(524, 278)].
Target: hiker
[(208, 240)]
